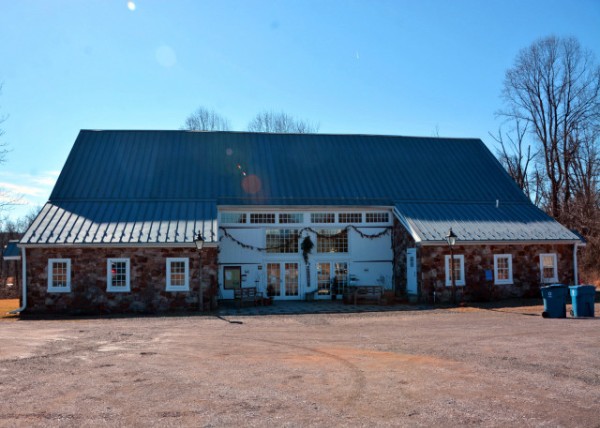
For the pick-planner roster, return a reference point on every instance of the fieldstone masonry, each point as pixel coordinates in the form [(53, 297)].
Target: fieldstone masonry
[(147, 278), (478, 258)]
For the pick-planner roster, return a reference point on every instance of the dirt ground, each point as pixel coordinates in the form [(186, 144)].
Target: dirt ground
[(442, 367)]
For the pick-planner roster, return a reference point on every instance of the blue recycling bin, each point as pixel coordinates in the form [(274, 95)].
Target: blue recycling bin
[(555, 301), (582, 297)]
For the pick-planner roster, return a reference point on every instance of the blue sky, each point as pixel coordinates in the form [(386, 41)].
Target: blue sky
[(374, 67)]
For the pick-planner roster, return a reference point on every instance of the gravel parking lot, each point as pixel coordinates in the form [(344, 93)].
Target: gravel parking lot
[(501, 367)]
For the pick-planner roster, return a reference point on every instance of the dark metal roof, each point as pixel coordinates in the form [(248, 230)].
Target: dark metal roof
[(279, 168), (482, 222), (153, 186), (11, 251)]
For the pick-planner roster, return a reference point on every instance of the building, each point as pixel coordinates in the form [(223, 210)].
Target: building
[(117, 234)]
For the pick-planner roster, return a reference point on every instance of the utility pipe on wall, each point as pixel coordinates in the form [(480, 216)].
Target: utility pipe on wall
[(575, 270), (24, 285)]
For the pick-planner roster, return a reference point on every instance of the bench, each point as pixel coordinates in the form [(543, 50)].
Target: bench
[(247, 294), (367, 292)]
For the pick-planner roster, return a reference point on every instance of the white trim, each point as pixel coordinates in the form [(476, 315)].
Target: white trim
[(111, 288), (575, 267), (51, 287), (407, 226), (554, 266), (24, 283), (510, 270), (461, 260), (186, 262), (483, 242), (190, 245)]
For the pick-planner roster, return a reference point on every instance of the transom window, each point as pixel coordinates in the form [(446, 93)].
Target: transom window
[(322, 217), (548, 269), (117, 275), (262, 218), (233, 218), (282, 241), (290, 218), (459, 270), (503, 269), (381, 217), (178, 274), (59, 275), (332, 241), (350, 217)]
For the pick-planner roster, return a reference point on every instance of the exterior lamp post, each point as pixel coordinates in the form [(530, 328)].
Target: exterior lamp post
[(451, 239), (199, 242)]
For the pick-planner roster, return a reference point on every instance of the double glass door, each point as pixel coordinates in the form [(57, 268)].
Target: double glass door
[(332, 278), (282, 280)]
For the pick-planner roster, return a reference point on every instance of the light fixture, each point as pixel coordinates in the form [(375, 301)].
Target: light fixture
[(199, 241), (451, 238)]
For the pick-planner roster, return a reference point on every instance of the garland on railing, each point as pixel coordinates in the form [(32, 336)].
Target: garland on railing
[(385, 231)]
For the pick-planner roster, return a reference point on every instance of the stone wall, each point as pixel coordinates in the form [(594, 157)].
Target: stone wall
[(147, 278), (479, 258), (401, 241)]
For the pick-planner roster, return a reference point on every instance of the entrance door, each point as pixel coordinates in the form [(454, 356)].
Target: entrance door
[(332, 278), (411, 271), (282, 280)]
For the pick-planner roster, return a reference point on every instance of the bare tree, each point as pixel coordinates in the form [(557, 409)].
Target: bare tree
[(516, 156), (206, 120), (3, 149), (6, 199), (269, 121), (554, 88)]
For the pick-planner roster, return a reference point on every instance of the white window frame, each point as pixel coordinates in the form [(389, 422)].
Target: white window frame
[(109, 287), (510, 270), (554, 265), (461, 262), (186, 266), (51, 287)]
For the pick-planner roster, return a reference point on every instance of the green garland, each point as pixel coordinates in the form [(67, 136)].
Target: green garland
[(226, 234)]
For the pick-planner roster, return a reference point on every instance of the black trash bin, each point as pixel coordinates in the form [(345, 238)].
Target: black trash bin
[(555, 301)]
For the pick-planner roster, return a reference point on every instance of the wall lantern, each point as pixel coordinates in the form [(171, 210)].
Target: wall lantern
[(451, 239), (199, 243)]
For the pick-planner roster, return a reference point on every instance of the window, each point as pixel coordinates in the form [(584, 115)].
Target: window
[(282, 241), (232, 277), (322, 218), (59, 275), (332, 241), (178, 274), (264, 218), (548, 270), (290, 218), (377, 217), (459, 270), (117, 275), (350, 217), (503, 269), (233, 218)]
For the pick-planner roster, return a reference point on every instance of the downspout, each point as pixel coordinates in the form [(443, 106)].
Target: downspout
[(575, 270), (24, 281)]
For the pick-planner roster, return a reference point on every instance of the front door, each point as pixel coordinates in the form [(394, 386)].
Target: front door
[(282, 280), (332, 278), (411, 271)]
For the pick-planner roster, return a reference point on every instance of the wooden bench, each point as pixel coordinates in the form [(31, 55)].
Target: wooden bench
[(247, 295), (367, 292)]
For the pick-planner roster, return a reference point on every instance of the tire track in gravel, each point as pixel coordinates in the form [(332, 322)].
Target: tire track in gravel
[(359, 381)]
